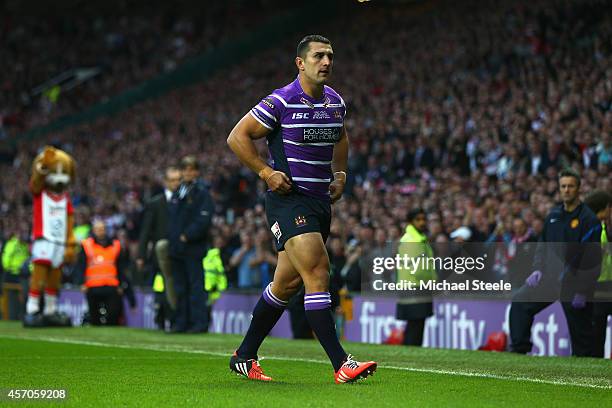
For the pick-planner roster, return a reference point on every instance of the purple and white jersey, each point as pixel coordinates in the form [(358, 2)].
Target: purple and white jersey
[(304, 132)]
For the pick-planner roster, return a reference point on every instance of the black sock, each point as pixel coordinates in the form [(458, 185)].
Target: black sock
[(266, 313), (318, 313)]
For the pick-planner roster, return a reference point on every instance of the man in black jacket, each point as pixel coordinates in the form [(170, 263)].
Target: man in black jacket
[(155, 230), (566, 266), (190, 215)]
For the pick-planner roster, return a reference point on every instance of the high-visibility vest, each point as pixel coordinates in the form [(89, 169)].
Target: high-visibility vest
[(14, 254), (414, 244), (101, 267), (158, 283), (606, 260), (53, 93), (81, 232), (215, 280)]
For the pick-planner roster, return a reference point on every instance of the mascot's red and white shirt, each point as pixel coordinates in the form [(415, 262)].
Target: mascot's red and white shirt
[(51, 212)]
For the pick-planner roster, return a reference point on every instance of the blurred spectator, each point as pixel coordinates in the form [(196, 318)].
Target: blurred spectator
[(101, 273), (264, 261), (154, 231), (190, 213), (242, 260), (416, 306), (351, 271), (566, 265), (82, 228), (520, 251), (215, 281), (600, 202), (15, 254)]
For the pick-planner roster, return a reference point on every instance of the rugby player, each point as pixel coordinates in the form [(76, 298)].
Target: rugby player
[(303, 124)]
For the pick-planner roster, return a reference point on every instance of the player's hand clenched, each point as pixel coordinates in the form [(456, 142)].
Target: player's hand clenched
[(336, 188), (278, 182)]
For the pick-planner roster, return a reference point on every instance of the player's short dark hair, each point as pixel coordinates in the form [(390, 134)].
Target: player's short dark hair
[(189, 161), (304, 44), (569, 172), (412, 214), (598, 200)]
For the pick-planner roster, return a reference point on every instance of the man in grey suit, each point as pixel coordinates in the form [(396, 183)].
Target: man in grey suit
[(155, 231)]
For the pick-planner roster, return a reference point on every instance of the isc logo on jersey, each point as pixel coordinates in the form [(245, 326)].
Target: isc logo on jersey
[(306, 115)]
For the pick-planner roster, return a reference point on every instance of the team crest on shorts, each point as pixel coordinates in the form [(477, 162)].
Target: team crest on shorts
[(276, 231), (300, 221)]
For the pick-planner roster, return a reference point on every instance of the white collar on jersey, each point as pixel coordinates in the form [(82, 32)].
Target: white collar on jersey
[(306, 101)]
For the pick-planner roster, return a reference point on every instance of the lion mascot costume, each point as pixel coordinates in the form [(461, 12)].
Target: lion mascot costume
[(54, 243)]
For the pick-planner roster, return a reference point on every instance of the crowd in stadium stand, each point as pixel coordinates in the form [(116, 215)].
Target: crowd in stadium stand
[(123, 47), (467, 111)]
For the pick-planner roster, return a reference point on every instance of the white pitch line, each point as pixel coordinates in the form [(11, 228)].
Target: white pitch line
[(179, 349)]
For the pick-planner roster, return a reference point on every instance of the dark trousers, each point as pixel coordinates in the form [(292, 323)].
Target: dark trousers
[(413, 332), (13, 296), (579, 322), (190, 313), (415, 315), (104, 305), (163, 312), (601, 310)]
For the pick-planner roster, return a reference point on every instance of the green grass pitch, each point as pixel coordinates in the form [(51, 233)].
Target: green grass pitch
[(111, 367)]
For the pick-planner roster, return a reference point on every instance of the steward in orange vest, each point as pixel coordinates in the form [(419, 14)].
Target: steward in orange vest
[(100, 269)]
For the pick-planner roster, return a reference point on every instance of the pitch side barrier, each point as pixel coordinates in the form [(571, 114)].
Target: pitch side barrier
[(456, 323)]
